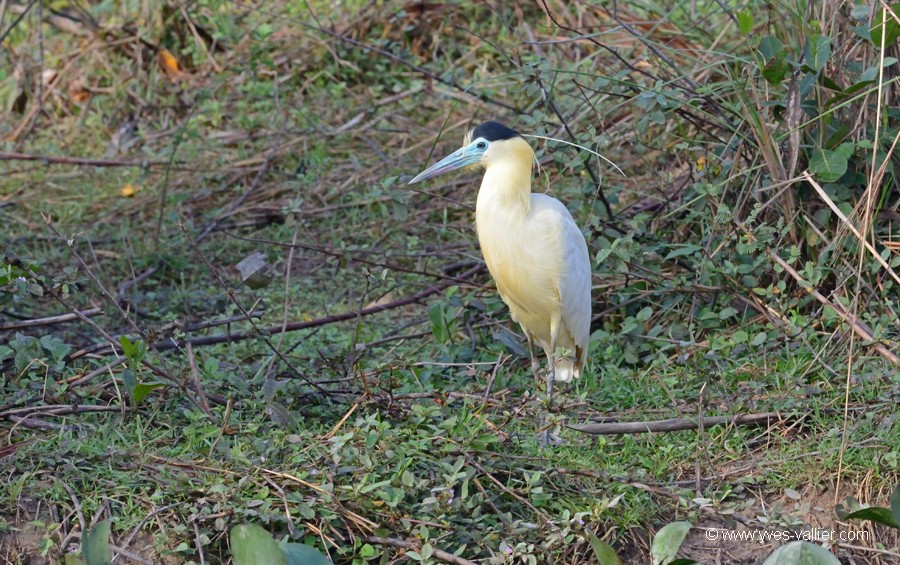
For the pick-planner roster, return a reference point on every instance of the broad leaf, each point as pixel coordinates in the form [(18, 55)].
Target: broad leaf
[(775, 71), (885, 25), (817, 51), (299, 554), (437, 317), (667, 541), (252, 545), (745, 21), (95, 548), (604, 552), (771, 47), (801, 553), (876, 514), (827, 165), (141, 390), (683, 250), (895, 503)]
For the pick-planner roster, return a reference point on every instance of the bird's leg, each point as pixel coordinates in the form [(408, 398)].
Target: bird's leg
[(547, 437), (535, 364)]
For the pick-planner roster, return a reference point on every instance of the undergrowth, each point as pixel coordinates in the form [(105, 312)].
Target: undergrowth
[(262, 323)]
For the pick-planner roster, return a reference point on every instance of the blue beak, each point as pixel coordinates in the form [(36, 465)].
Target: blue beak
[(463, 157)]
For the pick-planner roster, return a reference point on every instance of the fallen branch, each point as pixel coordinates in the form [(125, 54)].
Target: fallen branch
[(851, 319), (230, 337), (50, 160), (676, 424), (49, 320), (403, 544)]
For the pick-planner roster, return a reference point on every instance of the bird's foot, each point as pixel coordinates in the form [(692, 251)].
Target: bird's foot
[(549, 439)]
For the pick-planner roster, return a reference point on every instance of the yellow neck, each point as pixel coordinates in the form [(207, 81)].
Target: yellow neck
[(506, 187)]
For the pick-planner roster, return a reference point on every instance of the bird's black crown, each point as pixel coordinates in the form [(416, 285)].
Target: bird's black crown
[(492, 131)]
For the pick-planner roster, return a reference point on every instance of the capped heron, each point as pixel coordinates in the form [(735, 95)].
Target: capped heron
[(532, 246)]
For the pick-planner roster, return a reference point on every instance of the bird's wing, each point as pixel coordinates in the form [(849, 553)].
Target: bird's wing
[(574, 282)]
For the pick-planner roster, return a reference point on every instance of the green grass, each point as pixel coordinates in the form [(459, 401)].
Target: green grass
[(419, 423)]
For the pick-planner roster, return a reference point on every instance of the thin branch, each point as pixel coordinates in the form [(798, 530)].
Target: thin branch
[(408, 545), (169, 344), (676, 424), (50, 320)]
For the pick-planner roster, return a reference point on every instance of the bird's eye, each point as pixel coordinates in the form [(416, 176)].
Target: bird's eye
[(481, 145)]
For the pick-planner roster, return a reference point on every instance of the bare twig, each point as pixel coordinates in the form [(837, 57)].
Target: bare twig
[(246, 314), (195, 379), (49, 320), (676, 424), (408, 545), (52, 160), (230, 337), (510, 492)]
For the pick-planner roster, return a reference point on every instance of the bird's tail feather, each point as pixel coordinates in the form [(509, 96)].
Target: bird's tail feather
[(565, 369)]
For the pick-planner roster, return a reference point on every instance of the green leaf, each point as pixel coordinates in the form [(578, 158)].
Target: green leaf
[(885, 25), (817, 51), (95, 548), (130, 382), (745, 21), (134, 351), (827, 165), (759, 339), (604, 552), (775, 71), (300, 554), (771, 47), (683, 250), (895, 503), (438, 319), (667, 541), (127, 347), (252, 545), (877, 514), (57, 347), (801, 553), (141, 390)]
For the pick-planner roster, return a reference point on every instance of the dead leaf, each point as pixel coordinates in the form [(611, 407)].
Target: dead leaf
[(77, 91), (129, 190), (169, 64)]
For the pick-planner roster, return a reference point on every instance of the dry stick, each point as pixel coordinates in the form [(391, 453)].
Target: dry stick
[(49, 320), (132, 556), (850, 225), (413, 66), (403, 544), (257, 180), (35, 424), (354, 255), (12, 156), (58, 410), (246, 314), (295, 326), (71, 245), (123, 288), (513, 494), (848, 317), (195, 378), (676, 424), (110, 339)]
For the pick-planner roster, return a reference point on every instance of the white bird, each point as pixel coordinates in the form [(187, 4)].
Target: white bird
[(532, 246)]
